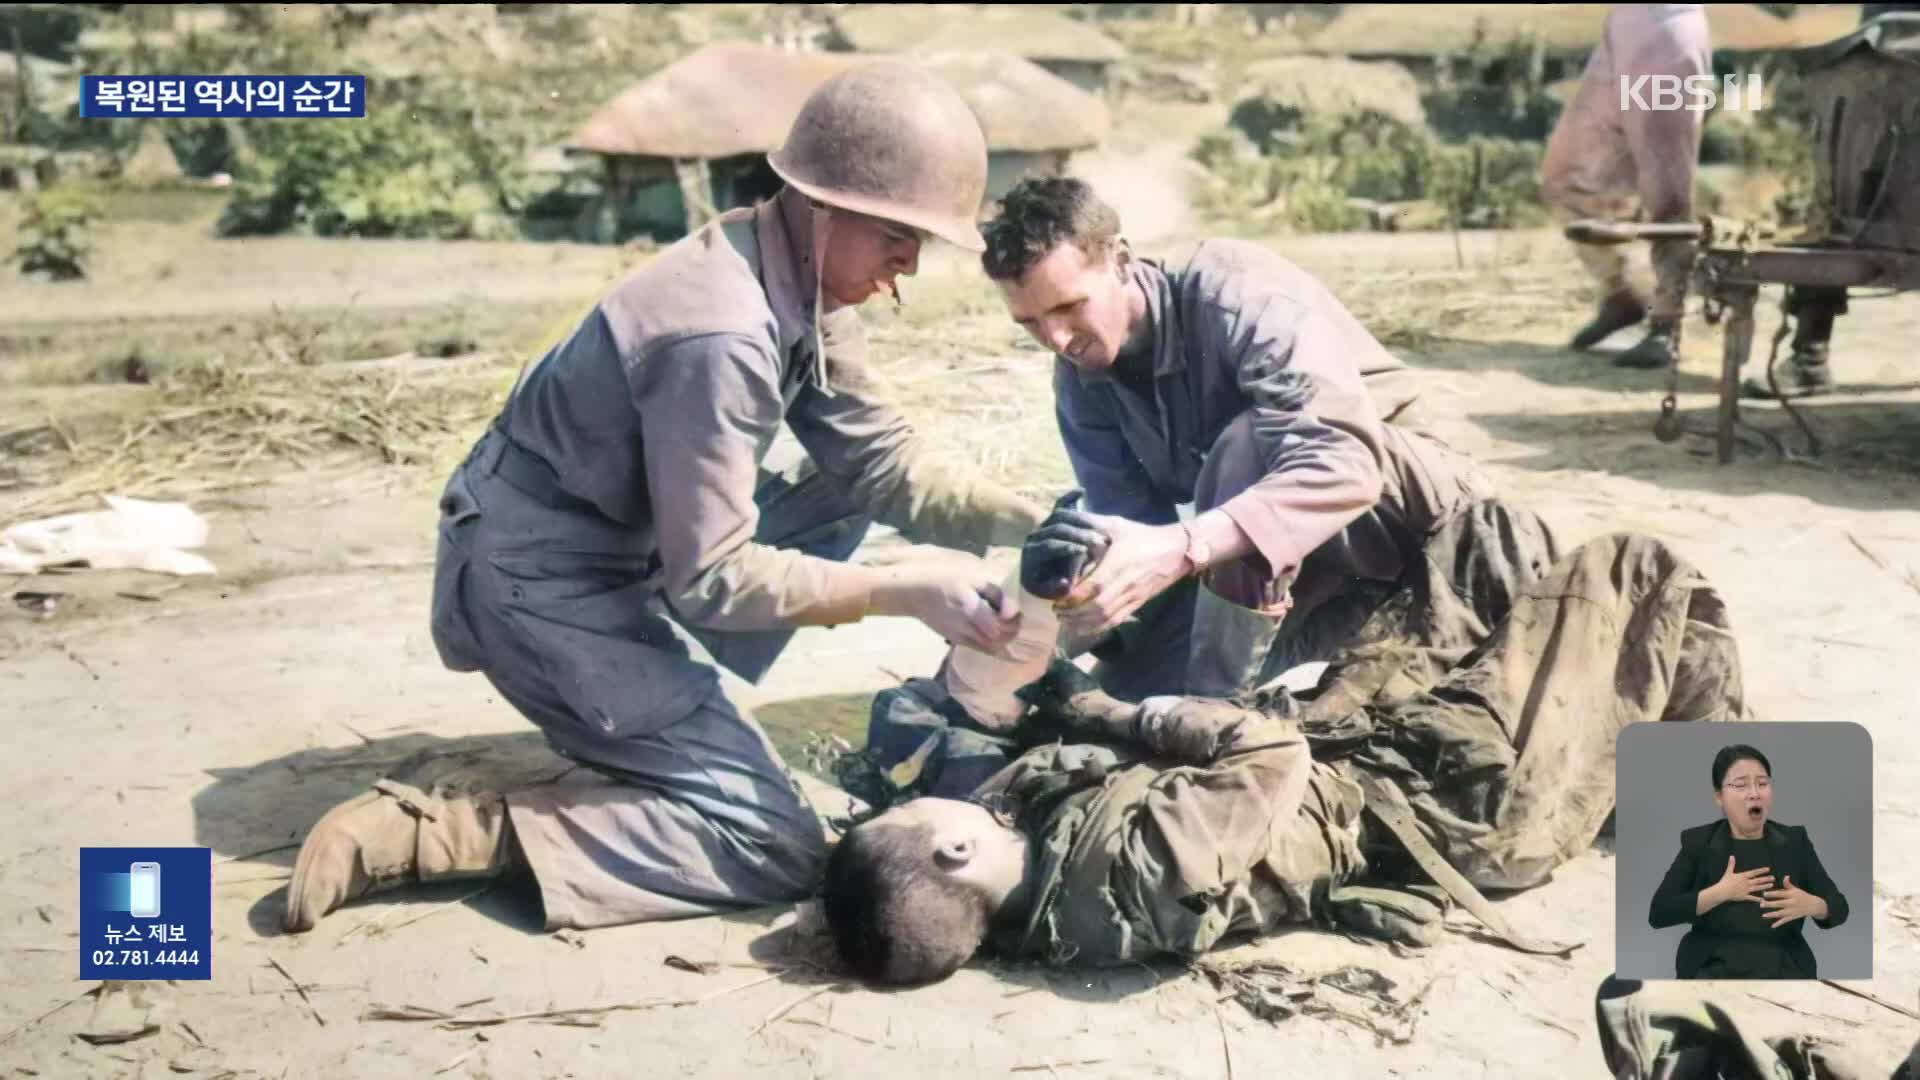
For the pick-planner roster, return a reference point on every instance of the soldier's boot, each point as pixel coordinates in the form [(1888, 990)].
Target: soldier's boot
[(1617, 312), (390, 836), (1803, 374), (1656, 351)]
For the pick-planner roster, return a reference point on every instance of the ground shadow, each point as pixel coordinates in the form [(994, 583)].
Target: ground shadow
[(256, 815), (801, 950), (1871, 442), (1551, 365)]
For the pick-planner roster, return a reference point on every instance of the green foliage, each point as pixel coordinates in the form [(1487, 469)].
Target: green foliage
[(1488, 182), (56, 234), (1457, 113), (1308, 177), (388, 175), (1374, 156)]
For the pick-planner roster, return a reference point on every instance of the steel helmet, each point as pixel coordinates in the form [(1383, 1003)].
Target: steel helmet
[(892, 141)]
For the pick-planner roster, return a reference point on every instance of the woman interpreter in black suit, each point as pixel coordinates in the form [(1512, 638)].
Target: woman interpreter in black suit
[(1747, 884)]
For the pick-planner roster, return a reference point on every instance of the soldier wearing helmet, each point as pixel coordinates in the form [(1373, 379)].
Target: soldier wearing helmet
[(704, 452)]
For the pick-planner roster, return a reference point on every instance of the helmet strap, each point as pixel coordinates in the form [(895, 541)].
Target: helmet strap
[(822, 230)]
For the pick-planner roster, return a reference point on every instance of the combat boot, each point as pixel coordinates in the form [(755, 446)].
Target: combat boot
[(1656, 351), (394, 835), (1617, 312), (1804, 374)]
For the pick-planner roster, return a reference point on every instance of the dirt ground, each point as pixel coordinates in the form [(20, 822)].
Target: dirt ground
[(230, 712)]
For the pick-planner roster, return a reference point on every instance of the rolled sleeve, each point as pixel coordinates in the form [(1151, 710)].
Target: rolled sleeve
[(1104, 466), (1314, 430), (708, 403), (868, 449), (1216, 818)]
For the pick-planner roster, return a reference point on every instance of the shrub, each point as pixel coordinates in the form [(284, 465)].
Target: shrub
[(56, 234)]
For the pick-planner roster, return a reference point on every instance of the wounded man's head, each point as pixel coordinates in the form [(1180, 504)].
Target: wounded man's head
[(910, 895)]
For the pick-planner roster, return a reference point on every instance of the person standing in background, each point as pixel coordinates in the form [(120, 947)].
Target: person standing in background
[(1607, 153)]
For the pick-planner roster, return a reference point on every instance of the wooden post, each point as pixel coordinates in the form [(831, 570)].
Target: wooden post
[(1740, 299), (696, 191), (22, 90)]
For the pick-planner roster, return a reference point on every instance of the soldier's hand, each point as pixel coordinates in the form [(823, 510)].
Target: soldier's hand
[(1141, 562), (1058, 553), (966, 607)]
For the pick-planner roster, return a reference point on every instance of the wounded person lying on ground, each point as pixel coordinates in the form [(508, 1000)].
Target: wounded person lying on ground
[(1118, 831)]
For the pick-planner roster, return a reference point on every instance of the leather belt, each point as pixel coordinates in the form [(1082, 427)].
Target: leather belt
[(1389, 804), (532, 476)]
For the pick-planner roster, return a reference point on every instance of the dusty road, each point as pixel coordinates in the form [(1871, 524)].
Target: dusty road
[(231, 712)]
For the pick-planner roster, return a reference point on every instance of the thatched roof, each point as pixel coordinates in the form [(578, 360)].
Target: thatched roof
[(737, 97), (1399, 30), (1746, 28), (1034, 33), (729, 98), (1333, 85), (1816, 24), (1020, 105)]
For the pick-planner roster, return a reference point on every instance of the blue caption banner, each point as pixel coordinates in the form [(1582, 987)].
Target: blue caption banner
[(292, 97), (146, 913)]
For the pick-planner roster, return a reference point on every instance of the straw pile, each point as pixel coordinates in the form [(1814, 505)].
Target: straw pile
[(213, 427)]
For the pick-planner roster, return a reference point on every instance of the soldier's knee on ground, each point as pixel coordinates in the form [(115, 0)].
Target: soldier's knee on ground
[(789, 852)]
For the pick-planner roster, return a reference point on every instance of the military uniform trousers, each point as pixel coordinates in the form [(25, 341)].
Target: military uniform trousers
[(693, 813)]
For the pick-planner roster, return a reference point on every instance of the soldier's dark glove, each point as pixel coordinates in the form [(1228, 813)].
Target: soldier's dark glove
[(1057, 553)]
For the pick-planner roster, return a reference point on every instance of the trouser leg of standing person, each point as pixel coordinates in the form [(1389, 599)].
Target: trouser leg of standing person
[(1585, 174), (1804, 372), (1665, 149), (698, 814)]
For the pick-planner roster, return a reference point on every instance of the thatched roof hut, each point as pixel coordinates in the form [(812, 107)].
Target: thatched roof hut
[(730, 98), (1746, 28), (1331, 85), (1816, 24), (1066, 47), (1452, 29), (1022, 107), (693, 138)]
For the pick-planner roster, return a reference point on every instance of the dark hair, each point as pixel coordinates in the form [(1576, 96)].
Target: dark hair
[(1040, 214), (1729, 756), (894, 918)]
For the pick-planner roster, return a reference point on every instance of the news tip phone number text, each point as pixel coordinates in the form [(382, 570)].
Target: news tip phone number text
[(145, 957)]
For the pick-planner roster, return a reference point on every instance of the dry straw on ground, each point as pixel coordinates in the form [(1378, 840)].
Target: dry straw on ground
[(212, 427)]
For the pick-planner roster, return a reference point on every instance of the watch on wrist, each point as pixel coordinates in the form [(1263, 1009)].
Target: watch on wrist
[(1198, 553)]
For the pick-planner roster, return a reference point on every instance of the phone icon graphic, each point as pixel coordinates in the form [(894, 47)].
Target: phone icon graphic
[(143, 895)]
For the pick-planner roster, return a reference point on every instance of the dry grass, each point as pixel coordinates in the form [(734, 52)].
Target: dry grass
[(210, 427), (972, 383)]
